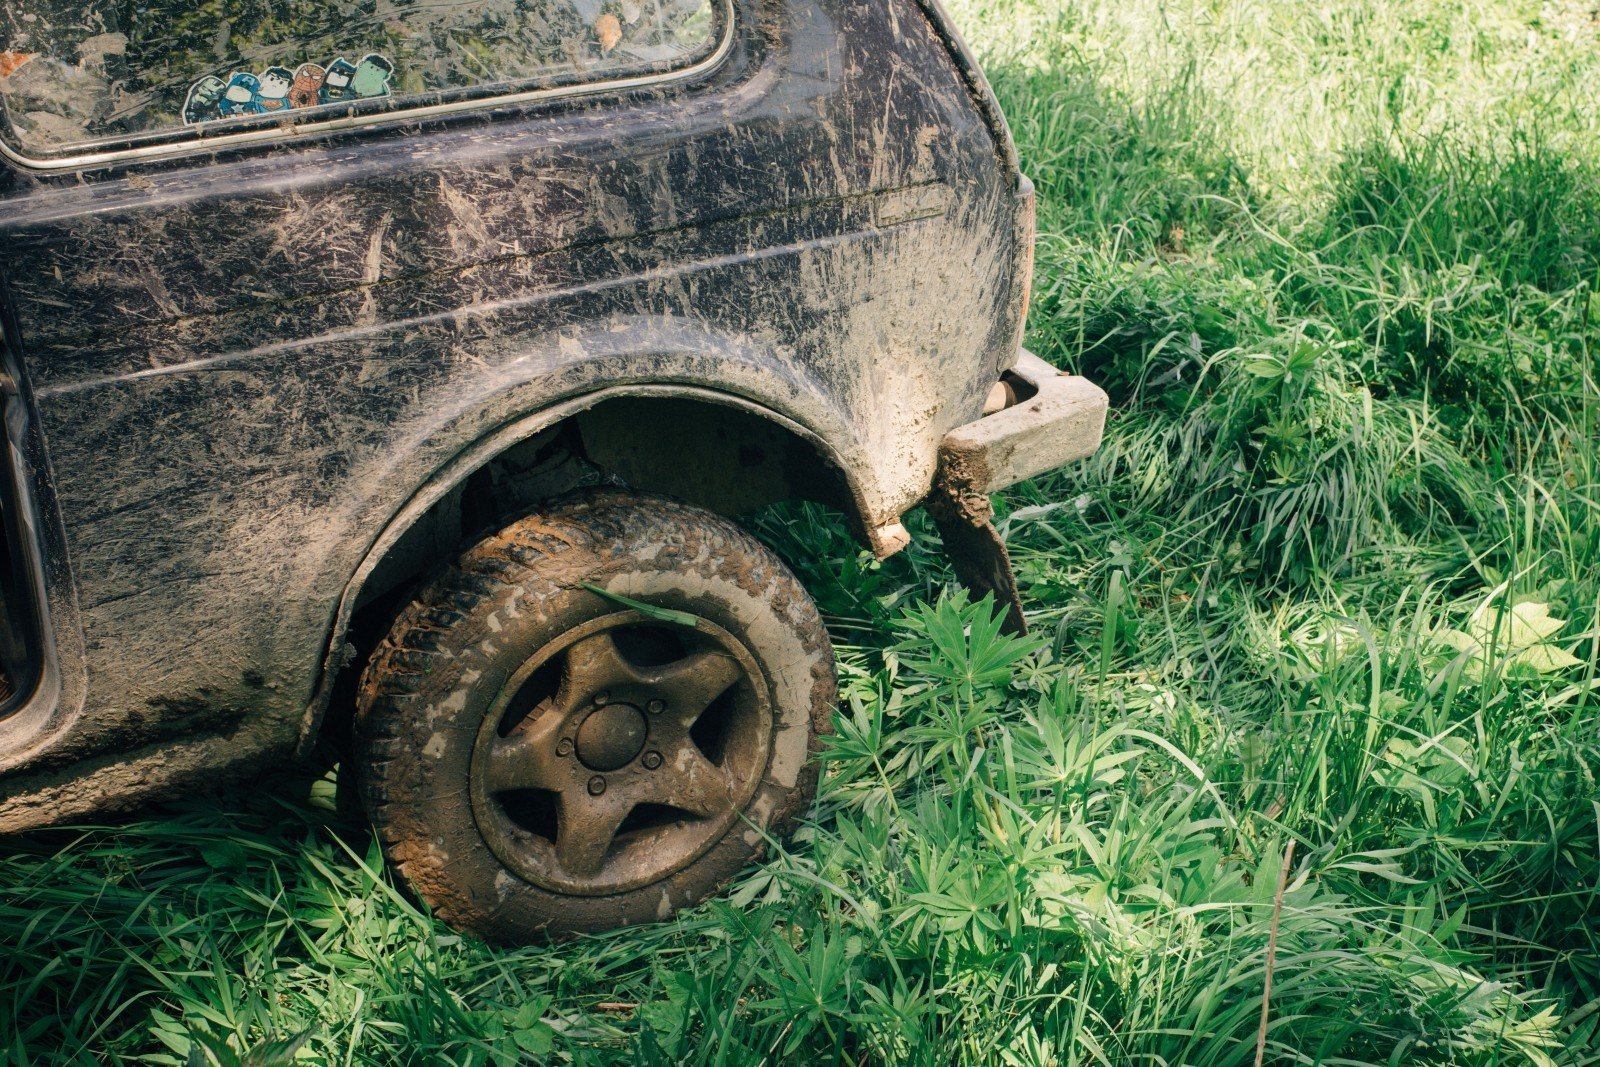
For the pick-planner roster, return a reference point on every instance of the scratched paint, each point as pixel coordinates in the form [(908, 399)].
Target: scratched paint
[(245, 364)]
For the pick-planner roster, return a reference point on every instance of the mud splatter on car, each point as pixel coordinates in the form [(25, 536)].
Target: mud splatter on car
[(536, 329)]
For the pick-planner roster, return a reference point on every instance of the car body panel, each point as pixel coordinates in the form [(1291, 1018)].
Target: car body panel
[(243, 365)]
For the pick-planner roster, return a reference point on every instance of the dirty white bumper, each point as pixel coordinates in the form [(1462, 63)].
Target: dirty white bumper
[(1056, 418), (1063, 420)]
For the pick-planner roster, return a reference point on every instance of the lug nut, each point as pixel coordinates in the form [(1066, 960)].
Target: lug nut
[(597, 785), (656, 707), (564, 747), (601, 698), (652, 760)]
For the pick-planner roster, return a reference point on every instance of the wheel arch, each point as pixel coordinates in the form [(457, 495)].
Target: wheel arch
[(832, 481)]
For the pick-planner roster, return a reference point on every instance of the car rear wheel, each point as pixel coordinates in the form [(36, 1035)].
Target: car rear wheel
[(593, 718)]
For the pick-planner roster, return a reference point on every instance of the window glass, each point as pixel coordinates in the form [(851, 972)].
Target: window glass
[(79, 73)]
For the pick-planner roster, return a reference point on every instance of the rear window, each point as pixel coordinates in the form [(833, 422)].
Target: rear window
[(77, 76)]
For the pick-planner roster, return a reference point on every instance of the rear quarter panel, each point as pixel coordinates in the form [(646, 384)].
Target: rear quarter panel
[(243, 366)]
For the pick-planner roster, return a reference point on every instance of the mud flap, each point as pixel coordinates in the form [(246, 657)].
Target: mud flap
[(965, 519)]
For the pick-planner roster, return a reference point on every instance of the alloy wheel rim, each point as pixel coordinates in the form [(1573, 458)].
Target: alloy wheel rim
[(620, 752)]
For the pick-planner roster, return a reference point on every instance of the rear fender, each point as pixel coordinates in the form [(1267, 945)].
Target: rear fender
[(483, 451)]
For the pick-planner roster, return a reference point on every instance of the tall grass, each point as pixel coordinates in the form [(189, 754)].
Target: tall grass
[(1333, 580)]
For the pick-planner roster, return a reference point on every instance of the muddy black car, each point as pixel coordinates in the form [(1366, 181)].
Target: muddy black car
[(386, 371)]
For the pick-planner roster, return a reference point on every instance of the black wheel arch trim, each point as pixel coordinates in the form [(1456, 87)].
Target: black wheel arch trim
[(483, 451)]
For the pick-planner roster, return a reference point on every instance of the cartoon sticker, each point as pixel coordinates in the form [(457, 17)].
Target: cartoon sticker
[(273, 91), (239, 98), (204, 97), (336, 82), (372, 76), (280, 89), (307, 84)]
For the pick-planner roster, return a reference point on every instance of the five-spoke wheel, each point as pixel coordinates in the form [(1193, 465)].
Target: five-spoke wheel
[(619, 752), (539, 756)]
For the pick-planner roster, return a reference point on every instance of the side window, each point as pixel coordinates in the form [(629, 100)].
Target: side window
[(77, 75)]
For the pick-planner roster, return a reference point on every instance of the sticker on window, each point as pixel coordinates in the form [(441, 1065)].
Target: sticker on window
[(113, 75), (280, 89)]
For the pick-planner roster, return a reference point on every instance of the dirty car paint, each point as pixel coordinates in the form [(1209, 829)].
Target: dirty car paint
[(243, 365)]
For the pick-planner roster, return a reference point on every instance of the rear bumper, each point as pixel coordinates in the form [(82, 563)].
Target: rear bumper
[(1060, 418)]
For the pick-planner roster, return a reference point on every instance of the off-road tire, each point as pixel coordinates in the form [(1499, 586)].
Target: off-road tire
[(427, 753)]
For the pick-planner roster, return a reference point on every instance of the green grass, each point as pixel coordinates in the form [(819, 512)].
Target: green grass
[(1333, 580)]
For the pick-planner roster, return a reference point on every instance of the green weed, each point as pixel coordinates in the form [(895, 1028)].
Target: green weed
[(1333, 580)]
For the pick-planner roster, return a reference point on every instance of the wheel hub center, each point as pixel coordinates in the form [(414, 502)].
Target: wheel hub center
[(610, 737)]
